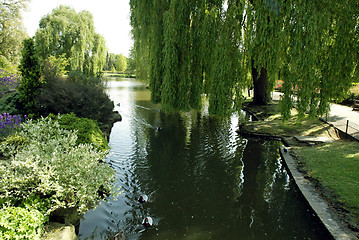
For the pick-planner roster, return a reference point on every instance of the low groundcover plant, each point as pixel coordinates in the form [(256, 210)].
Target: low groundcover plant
[(43, 162)]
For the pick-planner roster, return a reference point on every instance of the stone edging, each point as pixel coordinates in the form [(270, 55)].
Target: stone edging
[(326, 215)]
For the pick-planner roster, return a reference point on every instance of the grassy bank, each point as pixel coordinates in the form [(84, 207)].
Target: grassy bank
[(333, 167), (120, 74), (271, 123)]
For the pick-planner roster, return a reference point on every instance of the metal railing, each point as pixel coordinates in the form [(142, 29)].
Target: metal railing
[(352, 128)]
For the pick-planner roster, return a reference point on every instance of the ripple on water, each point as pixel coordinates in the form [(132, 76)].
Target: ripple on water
[(203, 180)]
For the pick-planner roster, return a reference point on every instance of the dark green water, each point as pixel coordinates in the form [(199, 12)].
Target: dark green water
[(204, 181)]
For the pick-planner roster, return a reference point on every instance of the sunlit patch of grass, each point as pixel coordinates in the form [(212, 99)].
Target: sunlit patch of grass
[(336, 166), (274, 125)]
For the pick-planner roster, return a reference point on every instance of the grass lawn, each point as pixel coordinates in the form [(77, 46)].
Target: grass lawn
[(272, 124), (120, 74), (336, 166)]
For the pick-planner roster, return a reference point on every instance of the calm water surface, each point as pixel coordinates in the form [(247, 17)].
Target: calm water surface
[(204, 181)]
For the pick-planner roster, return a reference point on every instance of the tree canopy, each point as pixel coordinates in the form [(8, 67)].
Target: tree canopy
[(12, 31), (115, 62), (64, 31), (187, 48)]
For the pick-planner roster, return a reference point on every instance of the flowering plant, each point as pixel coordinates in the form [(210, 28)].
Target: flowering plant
[(8, 81), (8, 123)]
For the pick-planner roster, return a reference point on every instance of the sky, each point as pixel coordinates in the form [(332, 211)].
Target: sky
[(111, 19)]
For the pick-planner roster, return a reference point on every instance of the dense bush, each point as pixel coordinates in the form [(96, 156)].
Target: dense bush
[(78, 77), (10, 103), (88, 130), (9, 100), (61, 95), (44, 160), (31, 81)]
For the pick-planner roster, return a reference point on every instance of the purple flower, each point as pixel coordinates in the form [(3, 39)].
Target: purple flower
[(8, 81), (10, 122)]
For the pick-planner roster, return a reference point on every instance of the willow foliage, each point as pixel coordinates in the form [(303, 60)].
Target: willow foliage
[(321, 53), (192, 47), (141, 13), (12, 31), (64, 31), (226, 73)]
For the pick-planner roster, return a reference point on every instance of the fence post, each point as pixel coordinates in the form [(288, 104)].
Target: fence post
[(346, 130)]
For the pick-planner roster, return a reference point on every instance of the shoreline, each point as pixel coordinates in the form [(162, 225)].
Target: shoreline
[(327, 215)]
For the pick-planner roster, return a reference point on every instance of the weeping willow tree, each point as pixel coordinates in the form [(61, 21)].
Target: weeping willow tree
[(64, 31), (226, 85), (321, 53), (141, 15), (12, 31), (189, 48)]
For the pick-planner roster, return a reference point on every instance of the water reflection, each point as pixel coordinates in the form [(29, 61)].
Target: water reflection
[(203, 180)]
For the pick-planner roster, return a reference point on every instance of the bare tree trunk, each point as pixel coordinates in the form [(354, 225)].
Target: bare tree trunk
[(260, 86)]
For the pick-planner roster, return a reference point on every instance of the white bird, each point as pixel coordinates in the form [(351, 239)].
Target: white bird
[(147, 222), (143, 198)]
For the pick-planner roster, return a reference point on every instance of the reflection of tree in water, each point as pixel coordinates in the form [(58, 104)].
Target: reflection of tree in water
[(252, 208), (203, 179), (269, 206), (192, 170)]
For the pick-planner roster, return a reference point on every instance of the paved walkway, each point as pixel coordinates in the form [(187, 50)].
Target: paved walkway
[(345, 119), (341, 117)]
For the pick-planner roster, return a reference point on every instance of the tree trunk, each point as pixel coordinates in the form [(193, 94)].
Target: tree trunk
[(260, 86)]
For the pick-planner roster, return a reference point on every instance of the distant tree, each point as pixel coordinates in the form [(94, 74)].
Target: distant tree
[(64, 31), (110, 64), (30, 76), (12, 31), (131, 61), (121, 63), (115, 62)]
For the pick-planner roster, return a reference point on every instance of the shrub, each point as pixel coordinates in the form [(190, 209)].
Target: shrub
[(9, 103), (51, 165), (78, 77), (5, 64), (55, 66), (21, 223), (61, 95), (31, 75), (88, 130)]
